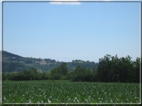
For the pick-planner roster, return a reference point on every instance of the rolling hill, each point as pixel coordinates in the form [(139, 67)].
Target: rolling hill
[(15, 63)]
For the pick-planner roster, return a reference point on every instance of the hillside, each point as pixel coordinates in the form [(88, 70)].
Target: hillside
[(16, 63)]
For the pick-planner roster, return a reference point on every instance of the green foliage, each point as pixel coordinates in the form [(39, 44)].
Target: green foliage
[(69, 92), (14, 66), (109, 69), (31, 74), (87, 64), (15, 63), (113, 69), (60, 72), (83, 74)]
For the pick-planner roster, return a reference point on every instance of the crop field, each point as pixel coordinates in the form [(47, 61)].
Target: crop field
[(69, 92)]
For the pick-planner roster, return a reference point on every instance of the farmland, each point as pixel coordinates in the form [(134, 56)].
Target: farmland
[(63, 91)]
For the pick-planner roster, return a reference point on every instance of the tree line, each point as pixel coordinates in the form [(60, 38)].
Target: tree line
[(110, 69)]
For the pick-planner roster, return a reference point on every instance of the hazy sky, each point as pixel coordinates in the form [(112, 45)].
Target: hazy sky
[(66, 32)]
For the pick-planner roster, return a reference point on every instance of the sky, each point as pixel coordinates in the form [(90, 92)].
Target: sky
[(69, 31)]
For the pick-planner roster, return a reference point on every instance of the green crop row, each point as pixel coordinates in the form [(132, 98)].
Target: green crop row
[(69, 92)]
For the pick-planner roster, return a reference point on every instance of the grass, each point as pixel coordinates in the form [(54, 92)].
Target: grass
[(0, 91), (69, 92)]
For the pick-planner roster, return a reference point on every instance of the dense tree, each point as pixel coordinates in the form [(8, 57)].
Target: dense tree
[(31, 74), (110, 69), (136, 68), (64, 68), (103, 68), (82, 74), (113, 69), (60, 72)]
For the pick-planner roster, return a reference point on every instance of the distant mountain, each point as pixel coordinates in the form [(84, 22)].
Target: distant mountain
[(15, 63)]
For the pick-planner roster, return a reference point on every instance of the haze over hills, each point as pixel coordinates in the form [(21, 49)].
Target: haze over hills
[(15, 63)]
